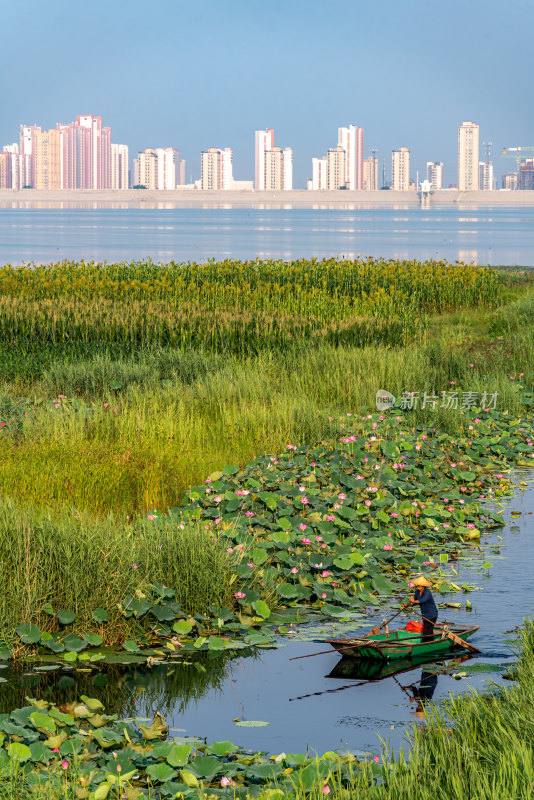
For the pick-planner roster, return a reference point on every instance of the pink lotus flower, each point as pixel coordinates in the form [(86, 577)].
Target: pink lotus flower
[(294, 570), (305, 541), (325, 573), (323, 595), (341, 496), (226, 782), (302, 526), (291, 447), (229, 549), (330, 518), (377, 759), (217, 520), (249, 513), (65, 764), (239, 595), (250, 564), (217, 499), (367, 502), (304, 501), (318, 538), (326, 789), (394, 515)]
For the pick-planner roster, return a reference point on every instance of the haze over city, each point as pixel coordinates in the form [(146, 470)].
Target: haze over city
[(195, 77)]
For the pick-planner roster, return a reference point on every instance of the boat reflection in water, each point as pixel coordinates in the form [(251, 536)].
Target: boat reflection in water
[(420, 691)]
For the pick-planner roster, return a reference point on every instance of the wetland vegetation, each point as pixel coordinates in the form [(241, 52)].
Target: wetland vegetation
[(139, 510)]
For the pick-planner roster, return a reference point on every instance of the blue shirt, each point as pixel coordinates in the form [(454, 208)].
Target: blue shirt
[(426, 602)]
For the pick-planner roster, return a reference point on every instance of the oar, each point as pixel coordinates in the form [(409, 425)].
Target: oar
[(450, 635), (372, 632)]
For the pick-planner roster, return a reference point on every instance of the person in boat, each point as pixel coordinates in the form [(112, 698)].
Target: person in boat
[(423, 596)]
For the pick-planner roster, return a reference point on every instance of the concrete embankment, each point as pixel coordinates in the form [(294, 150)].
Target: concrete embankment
[(194, 198)]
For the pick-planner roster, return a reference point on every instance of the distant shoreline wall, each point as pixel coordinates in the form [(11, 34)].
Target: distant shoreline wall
[(195, 198)]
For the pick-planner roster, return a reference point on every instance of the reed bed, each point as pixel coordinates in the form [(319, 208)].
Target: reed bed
[(74, 562)]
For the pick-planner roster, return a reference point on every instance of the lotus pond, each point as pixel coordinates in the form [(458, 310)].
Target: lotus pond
[(324, 540)]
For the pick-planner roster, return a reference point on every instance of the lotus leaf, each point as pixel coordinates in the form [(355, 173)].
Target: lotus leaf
[(30, 634), (65, 617), (178, 755)]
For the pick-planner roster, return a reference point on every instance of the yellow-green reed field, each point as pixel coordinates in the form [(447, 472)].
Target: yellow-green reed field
[(167, 372)]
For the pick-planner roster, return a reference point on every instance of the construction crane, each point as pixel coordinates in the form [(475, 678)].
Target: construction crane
[(518, 153)]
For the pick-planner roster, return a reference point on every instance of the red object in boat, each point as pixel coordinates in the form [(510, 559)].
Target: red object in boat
[(414, 626)]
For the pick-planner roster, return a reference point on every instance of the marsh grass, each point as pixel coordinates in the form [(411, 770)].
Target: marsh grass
[(141, 446), (77, 563)]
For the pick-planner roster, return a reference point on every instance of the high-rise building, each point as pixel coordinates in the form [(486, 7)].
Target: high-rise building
[(400, 169), (370, 174), (510, 181), (47, 159), (351, 140), (273, 166), (434, 175), (319, 179), (216, 168), (336, 168), (263, 141), (119, 166), (145, 169), (168, 167), (485, 176), (278, 169), (27, 133), (158, 168), (98, 153), (468, 138), (15, 168), (526, 174), (5, 170)]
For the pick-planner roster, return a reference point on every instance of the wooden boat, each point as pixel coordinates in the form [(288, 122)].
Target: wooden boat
[(374, 670), (401, 644)]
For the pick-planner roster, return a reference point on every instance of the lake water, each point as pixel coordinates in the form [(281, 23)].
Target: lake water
[(302, 702), (485, 235)]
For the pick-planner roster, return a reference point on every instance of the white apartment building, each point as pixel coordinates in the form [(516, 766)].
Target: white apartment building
[(485, 176), (145, 169), (336, 168), (468, 165), (370, 174), (119, 166), (158, 168), (319, 179), (216, 169), (273, 166), (263, 141), (168, 167), (278, 169), (434, 175), (400, 169), (351, 140), (19, 166)]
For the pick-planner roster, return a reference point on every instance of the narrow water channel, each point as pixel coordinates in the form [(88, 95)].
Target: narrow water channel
[(302, 702)]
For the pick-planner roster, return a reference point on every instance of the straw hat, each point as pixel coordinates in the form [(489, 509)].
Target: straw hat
[(420, 580)]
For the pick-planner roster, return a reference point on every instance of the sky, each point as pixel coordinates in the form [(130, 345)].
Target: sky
[(205, 74)]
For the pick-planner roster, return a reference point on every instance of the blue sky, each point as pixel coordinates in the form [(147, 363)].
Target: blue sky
[(207, 74)]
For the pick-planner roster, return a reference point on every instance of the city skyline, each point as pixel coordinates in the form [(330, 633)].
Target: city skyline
[(191, 84), (81, 155)]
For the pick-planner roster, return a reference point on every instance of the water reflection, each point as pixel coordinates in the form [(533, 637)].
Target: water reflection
[(32, 231)]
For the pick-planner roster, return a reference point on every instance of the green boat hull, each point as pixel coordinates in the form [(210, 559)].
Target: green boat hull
[(400, 644)]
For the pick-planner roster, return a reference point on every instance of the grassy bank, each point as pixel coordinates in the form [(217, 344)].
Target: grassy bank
[(139, 446)]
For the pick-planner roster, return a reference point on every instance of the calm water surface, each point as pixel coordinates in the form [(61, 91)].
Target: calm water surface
[(485, 235), (271, 688)]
